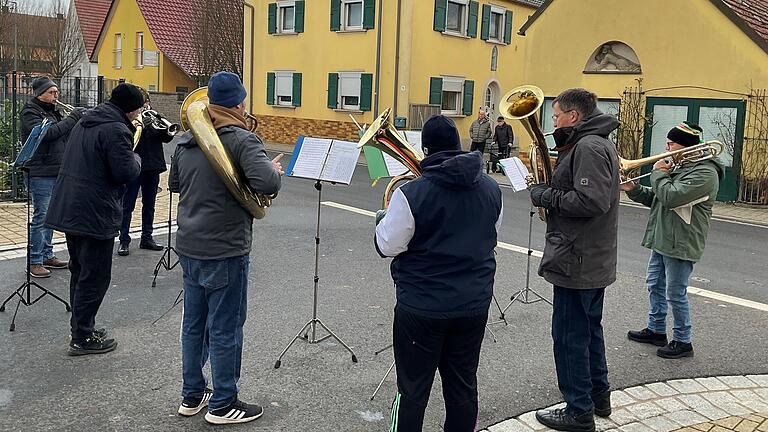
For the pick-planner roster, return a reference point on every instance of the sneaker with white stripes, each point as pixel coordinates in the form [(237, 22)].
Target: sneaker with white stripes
[(237, 412), (191, 406)]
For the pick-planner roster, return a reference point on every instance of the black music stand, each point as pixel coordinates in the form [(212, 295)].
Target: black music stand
[(24, 292), (312, 324), (165, 260)]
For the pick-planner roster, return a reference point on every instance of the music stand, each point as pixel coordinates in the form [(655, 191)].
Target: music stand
[(165, 260), (312, 324), (25, 290)]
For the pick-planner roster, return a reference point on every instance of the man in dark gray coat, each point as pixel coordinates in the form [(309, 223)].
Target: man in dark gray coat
[(580, 255), (214, 243)]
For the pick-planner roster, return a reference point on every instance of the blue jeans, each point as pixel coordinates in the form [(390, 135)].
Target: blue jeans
[(215, 307), (668, 283), (579, 346), (147, 181), (40, 238)]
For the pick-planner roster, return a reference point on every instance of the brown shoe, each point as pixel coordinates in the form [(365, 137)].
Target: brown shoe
[(38, 271), (54, 263)]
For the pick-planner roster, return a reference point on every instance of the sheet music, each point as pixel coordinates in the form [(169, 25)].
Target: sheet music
[(341, 162), (394, 167), (516, 172), (310, 161), (414, 139)]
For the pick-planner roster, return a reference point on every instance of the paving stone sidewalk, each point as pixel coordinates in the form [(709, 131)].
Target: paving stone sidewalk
[(711, 404)]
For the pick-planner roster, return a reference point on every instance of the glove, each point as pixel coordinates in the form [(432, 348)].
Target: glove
[(78, 113), (541, 195), (380, 215)]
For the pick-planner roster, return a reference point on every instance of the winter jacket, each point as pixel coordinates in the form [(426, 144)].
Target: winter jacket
[(441, 228), (150, 148), (47, 159), (503, 135), (580, 249), (98, 161), (667, 232), (480, 132), (212, 223)]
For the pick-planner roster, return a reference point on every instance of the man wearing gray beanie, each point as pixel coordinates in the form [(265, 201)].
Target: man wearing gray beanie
[(86, 206), (441, 229), (43, 167)]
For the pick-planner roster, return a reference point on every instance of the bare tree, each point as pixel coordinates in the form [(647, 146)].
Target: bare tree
[(64, 40), (217, 37), (633, 122)]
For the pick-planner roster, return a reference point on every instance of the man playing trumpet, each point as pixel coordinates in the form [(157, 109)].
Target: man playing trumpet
[(681, 200)]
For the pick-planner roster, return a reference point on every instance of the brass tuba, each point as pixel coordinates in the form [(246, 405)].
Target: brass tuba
[(139, 125), (383, 136), (522, 103), (195, 117)]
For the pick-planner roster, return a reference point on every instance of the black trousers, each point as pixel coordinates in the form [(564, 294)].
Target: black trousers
[(423, 345), (479, 146), (90, 265)]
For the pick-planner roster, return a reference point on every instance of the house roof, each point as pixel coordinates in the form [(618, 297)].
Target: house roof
[(751, 16), (91, 14)]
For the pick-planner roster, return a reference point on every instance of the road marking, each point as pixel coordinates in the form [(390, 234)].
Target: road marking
[(521, 250)]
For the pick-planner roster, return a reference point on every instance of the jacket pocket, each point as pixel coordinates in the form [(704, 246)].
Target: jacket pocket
[(558, 254), (214, 274)]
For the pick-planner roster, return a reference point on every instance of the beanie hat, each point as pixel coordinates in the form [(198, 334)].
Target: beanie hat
[(127, 97), (225, 89), (41, 85), (686, 134), (438, 134)]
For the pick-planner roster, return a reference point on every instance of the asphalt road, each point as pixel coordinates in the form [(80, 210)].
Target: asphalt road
[(318, 388)]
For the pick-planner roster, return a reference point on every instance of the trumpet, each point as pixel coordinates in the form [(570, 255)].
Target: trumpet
[(697, 153), (158, 122), (65, 108)]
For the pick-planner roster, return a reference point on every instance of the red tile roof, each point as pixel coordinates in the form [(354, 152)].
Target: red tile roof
[(92, 14), (753, 12)]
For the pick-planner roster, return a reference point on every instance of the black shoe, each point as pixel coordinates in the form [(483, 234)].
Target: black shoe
[(559, 419), (92, 345), (192, 406), (237, 412), (647, 336), (675, 350), (100, 334), (151, 245), (602, 403), (123, 249)]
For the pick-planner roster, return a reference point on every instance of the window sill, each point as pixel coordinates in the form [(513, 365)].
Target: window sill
[(138, 67), (454, 115), (456, 35), (289, 33), (350, 111), (360, 30), (291, 107), (496, 42)]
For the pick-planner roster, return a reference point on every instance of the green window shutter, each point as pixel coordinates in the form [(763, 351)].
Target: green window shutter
[(435, 90), (369, 14), (335, 15), (272, 20), (469, 90), (296, 96), (298, 17), (508, 27), (333, 90), (472, 22), (440, 8), (366, 90), (486, 26), (270, 88)]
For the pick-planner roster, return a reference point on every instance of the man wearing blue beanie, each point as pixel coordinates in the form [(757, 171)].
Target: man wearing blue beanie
[(441, 230), (214, 242)]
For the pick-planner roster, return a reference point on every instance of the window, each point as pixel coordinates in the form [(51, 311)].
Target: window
[(139, 50), (352, 14), (284, 88), (286, 12), (452, 95), (349, 90), (455, 16), (118, 63), (494, 57), (496, 28)]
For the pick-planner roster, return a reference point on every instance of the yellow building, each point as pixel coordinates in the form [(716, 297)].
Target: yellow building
[(142, 43), (701, 60), (308, 65)]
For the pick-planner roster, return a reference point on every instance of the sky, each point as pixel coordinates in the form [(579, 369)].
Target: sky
[(37, 3)]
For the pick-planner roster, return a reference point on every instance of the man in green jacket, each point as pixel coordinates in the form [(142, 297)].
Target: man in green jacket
[(681, 199)]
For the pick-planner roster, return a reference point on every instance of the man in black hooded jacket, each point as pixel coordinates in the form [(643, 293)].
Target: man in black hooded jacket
[(580, 255), (86, 206), (441, 230)]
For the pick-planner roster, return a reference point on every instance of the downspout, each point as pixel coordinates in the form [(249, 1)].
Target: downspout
[(397, 60), (250, 68), (378, 63)]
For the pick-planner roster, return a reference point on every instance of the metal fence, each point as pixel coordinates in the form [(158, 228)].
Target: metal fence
[(15, 91)]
